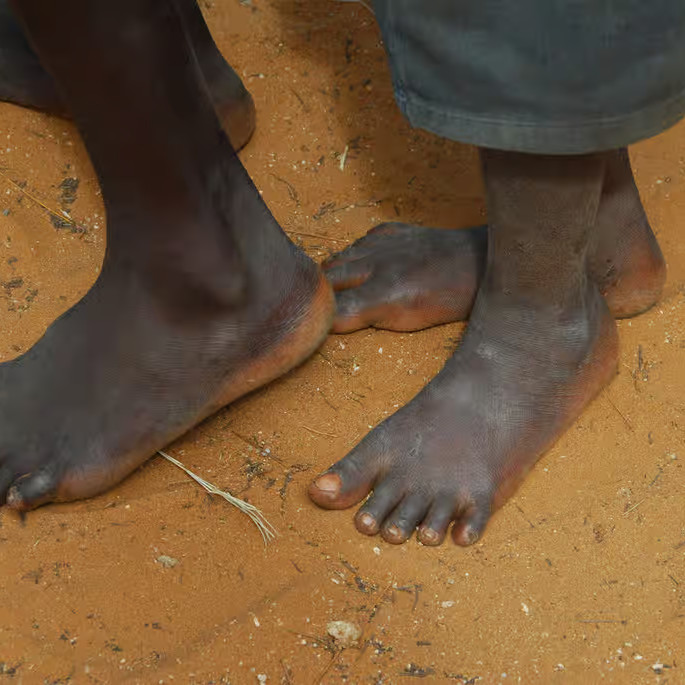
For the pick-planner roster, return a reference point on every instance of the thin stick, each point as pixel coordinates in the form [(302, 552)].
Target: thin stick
[(343, 158), (63, 216), (315, 235), (625, 420), (267, 531), (313, 430), (633, 508)]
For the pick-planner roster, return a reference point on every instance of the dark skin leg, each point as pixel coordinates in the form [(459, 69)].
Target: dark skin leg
[(202, 297), (405, 278), (540, 345), (24, 81)]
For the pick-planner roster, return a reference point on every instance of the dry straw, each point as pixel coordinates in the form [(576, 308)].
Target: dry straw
[(268, 532)]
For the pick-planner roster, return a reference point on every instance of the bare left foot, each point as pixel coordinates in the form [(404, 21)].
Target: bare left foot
[(540, 345)]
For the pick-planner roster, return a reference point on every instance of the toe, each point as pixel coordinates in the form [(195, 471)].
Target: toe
[(355, 309), (346, 273), (433, 530), (470, 526), (402, 522), (34, 489), (351, 479), (376, 509)]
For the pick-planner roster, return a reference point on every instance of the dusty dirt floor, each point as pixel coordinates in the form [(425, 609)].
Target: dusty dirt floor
[(580, 578)]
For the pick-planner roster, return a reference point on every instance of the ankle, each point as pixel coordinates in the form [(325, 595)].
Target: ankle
[(180, 272), (544, 317)]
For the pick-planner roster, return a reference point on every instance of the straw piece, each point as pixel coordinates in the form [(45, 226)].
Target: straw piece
[(268, 532)]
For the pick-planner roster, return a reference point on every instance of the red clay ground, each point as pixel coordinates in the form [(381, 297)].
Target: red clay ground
[(580, 578)]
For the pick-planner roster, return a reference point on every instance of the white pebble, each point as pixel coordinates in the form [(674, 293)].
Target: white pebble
[(344, 632)]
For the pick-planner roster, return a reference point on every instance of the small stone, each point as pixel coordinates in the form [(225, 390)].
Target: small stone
[(167, 562), (344, 632)]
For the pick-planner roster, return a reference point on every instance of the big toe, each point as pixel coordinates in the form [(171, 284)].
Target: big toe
[(347, 481), (34, 489)]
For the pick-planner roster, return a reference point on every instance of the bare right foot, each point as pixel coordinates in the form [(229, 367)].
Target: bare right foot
[(25, 82), (201, 298), (405, 278)]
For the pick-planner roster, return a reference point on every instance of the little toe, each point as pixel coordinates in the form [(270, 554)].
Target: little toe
[(402, 522), (469, 527), (376, 509), (433, 530)]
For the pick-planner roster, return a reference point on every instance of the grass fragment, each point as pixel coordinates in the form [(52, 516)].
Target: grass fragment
[(343, 157), (267, 531)]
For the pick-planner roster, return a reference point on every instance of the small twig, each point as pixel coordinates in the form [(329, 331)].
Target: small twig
[(625, 420), (315, 235), (267, 531), (343, 157), (291, 189), (313, 430), (63, 216), (635, 506), (328, 667)]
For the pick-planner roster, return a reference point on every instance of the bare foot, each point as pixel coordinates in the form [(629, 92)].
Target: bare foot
[(139, 361), (24, 81), (405, 278), (201, 298), (539, 346), (463, 444)]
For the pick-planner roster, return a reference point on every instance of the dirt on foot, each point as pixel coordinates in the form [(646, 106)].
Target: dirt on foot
[(579, 578)]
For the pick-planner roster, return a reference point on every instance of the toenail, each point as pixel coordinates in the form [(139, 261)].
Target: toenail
[(471, 536), (429, 535), (367, 521), (328, 483), (393, 532)]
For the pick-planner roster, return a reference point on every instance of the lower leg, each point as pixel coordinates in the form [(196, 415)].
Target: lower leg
[(201, 297), (233, 103), (540, 344), (405, 277), (24, 80)]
